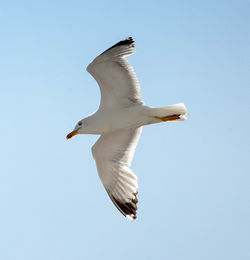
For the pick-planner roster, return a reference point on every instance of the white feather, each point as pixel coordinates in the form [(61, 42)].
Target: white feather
[(115, 76), (113, 153)]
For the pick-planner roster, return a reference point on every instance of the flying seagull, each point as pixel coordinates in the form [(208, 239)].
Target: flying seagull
[(119, 121)]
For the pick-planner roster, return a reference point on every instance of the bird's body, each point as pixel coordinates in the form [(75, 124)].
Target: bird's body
[(106, 120), (119, 121)]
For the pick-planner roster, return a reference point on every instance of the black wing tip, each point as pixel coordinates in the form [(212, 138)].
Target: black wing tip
[(127, 41), (128, 209)]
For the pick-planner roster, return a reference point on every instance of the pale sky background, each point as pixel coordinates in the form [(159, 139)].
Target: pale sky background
[(193, 175)]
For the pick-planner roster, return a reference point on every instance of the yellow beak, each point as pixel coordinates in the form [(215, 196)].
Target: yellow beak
[(75, 132)]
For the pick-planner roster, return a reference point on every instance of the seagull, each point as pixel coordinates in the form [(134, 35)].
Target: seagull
[(119, 120)]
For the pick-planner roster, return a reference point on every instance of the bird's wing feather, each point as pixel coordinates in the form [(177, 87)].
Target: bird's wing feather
[(113, 153), (115, 76)]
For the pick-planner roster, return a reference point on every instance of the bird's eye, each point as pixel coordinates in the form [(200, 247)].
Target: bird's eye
[(80, 123)]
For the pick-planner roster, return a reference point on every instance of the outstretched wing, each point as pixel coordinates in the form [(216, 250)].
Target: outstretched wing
[(113, 153), (115, 76)]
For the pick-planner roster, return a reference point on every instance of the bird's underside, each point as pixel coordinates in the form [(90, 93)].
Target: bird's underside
[(114, 150)]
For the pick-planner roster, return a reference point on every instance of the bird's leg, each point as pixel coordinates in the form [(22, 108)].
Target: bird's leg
[(168, 118)]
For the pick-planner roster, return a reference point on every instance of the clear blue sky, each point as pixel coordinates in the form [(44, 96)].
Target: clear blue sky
[(193, 175)]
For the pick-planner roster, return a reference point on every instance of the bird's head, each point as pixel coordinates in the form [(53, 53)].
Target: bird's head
[(77, 130)]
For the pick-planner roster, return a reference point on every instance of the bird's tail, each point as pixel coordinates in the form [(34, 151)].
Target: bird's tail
[(177, 112)]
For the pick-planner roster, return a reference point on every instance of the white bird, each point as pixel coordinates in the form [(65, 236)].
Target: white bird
[(119, 121)]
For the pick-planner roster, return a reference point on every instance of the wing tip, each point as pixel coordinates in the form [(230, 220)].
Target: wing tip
[(127, 41), (131, 217), (128, 209)]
